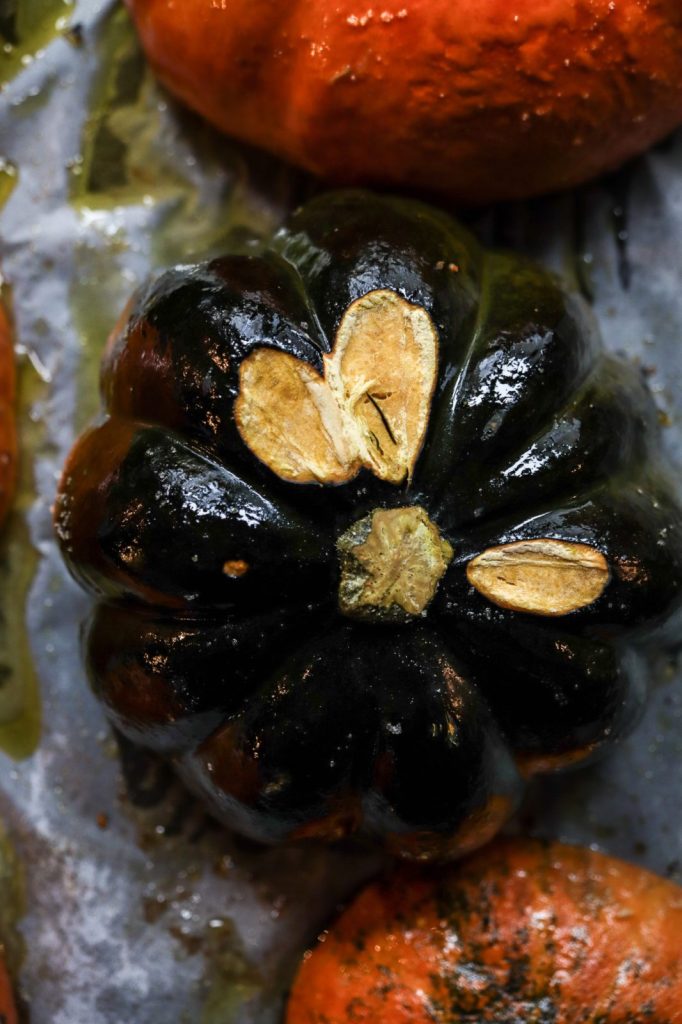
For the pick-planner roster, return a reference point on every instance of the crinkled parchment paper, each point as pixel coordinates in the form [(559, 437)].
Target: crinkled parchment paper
[(141, 910)]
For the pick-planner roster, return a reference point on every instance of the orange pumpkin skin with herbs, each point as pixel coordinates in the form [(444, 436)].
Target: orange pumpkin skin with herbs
[(8, 436), (544, 934), (479, 100)]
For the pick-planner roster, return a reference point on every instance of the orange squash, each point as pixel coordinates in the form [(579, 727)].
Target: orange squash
[(477, 99), (8, 1013), (521, 932), (8, 435)]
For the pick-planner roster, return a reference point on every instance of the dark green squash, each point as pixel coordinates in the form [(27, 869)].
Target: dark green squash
[(376, 528)]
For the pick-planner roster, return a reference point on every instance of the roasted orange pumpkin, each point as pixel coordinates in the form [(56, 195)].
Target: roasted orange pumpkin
[(8, 1013), (523, 933), (8, 437), (478, 99)]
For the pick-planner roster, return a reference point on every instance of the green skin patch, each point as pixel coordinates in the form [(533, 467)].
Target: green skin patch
[(391, 564)]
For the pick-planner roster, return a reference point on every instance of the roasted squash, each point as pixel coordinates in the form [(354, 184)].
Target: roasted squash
[(8, 435), (11, 908), (372, 521), (8, 1013), (523, 932), (477, 99)]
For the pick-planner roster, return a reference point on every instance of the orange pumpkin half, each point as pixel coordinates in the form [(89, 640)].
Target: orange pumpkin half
[(8, 1013), (477, 99), (522, 932), (8, 435)]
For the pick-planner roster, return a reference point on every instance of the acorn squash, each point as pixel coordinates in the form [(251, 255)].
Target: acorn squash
[(374, 524), (480, 100)]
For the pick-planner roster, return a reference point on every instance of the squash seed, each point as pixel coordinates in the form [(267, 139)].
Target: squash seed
[(541, 577), (371, 407)]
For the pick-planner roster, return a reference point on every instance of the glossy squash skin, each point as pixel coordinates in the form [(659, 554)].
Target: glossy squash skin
[(8, 435), (522, 932), (480, 100), (218, 637)]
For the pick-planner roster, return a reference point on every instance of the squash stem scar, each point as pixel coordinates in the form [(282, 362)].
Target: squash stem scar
[(391, 564)]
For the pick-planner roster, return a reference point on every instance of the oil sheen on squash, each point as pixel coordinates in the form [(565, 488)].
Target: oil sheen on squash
[(226, 558)]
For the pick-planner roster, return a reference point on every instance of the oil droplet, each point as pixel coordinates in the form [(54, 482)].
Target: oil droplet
[(26, 27)]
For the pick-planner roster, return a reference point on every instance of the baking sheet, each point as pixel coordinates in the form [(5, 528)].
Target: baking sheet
[(140, 909)]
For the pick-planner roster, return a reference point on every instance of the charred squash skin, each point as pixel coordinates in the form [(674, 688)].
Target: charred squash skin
[(8, 436), (479, 99), (523, 931), (221, 638)]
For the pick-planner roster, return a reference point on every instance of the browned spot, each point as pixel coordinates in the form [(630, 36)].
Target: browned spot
[(232, 764), (342, 820), (191, 942), (539, 764), (154, 907), (631, 570), (138, 694), (391, 560), (540, 577), (370, 408), (138, 375), (235, 568), (479, 829)]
